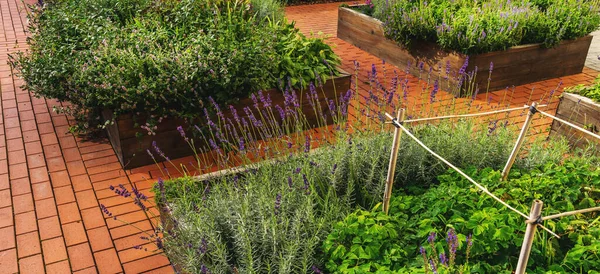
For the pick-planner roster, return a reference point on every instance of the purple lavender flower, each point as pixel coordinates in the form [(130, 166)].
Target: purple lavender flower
[(306, 143), (159, 243), (297, 170), (463, 69), (266, 100), (157, 149), (491, 67), (331, 106), (180, 129), (306, 184), (431, 237), (290, 182), (255, 100), (443, 259), (334, 168), (105, 210), (433, 266), (434, 91), (216, 106), (277, 204), (281, 112), (314, 268), (204, 270), (422, 251)]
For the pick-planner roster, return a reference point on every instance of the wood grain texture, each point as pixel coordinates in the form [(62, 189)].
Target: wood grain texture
[(581, 111), (131, 150), (515, 66)]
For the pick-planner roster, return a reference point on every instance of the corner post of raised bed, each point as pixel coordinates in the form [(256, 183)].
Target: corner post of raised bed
[(389, 182), (534, 214), (520, 140)]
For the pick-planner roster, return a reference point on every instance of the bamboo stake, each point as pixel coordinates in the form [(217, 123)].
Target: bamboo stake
[(536, 209), (519, 143), (392, 166), (564, 214)]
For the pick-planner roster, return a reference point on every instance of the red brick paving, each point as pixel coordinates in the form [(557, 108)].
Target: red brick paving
[(52, 182)]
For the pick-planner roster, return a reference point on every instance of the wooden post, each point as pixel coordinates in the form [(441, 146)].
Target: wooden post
[(536, 209), (389, 182), (515, 151)]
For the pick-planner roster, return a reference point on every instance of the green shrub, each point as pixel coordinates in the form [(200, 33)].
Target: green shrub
[(484, 26), (163, 58), (590, 91), (457, 203), (365, 242)]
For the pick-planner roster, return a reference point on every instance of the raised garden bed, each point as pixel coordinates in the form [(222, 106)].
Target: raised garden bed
[(581, 111), (515, 66), (131, 149)]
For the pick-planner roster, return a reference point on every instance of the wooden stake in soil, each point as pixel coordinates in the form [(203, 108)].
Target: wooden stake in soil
[(534, 214), (515, 151), (389, 182)]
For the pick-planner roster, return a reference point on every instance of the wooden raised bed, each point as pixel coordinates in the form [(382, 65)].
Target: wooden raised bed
[(581, 111), (514, 66), (131, 150)]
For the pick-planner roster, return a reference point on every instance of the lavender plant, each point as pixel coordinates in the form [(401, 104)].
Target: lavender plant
[(483, 26)]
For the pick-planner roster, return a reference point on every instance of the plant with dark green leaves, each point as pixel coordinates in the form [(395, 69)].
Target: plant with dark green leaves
[(365, 242), (157, 59)]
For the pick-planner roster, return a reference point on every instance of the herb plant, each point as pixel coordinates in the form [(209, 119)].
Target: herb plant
[(483, 26)]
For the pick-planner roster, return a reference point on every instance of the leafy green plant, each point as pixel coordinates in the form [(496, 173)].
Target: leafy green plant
[(456, 203), (154, 59), (484, 26), (365, 242), (589, 91)]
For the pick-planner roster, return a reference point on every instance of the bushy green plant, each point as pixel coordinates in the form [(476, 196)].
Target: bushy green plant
[(589, 91), (484, 26), (155, 59), (365, 242), (455, 202)]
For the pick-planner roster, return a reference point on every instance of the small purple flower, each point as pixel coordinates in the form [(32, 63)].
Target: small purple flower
[(204, 270), (159, 243), (434, 91), (306, 143), (105, 210), (431, 237), (157, 149), (433, 266), (290, 182), (180, 129), (277, 204), (314, 268), (422, 251), (443, 259), (281, 112), (297, 170), (306, 184), (334, 168)]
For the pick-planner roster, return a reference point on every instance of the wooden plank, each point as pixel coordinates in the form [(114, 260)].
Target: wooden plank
[(580, 111)]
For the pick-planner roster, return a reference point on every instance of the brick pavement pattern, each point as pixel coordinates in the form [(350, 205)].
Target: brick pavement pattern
[(51, 182)]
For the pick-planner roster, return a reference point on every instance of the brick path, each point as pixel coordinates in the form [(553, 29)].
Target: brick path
[(51, 182)]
